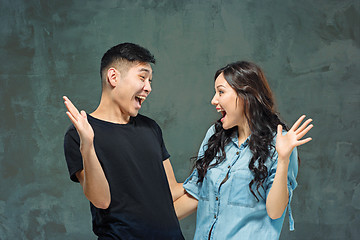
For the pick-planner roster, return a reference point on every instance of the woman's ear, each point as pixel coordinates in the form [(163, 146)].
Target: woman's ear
[(113, 76)]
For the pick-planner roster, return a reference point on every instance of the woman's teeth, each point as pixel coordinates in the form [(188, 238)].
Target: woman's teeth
[(222, 111)]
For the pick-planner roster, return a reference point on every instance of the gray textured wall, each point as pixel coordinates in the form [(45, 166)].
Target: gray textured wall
[(308, 49)]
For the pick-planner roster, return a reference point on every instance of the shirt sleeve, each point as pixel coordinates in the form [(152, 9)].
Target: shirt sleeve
[(164, 152), (291, 180), (72, 153), (191, 184)]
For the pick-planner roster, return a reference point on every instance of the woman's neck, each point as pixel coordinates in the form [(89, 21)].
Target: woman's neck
[(243, 133)]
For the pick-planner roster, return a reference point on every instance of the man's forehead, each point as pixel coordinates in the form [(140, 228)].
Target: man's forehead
[(143, 67)]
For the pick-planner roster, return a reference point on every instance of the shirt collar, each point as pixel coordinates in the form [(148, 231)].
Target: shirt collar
[(235, 140)]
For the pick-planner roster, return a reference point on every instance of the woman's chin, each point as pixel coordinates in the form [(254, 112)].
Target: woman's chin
[(224, 126)]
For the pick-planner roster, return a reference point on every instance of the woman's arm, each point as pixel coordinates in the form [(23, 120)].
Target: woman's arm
[(278, 196), (185, 205)]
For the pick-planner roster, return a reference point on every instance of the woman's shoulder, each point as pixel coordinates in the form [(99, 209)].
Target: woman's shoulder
[(209, 133), (211, 130)]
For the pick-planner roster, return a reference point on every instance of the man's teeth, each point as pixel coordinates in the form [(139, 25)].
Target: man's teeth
[(221, 110), (141, 99)]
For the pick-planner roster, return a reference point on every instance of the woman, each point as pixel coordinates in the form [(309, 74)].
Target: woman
[(246, 168)]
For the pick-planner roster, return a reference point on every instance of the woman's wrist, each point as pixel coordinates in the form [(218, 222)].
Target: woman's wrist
[(283, 162)]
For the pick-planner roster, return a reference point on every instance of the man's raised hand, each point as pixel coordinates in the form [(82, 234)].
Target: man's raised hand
[(79, 119)]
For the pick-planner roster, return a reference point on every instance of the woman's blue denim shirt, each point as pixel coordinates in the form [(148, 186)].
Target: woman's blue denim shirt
[(229, 209)]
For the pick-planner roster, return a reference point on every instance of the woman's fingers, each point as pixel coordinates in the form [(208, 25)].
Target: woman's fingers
[(301, 142), (279, 130), (303, 126), (297, 123), (303, 132)]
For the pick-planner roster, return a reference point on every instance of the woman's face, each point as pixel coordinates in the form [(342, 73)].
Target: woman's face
[(228, 103)]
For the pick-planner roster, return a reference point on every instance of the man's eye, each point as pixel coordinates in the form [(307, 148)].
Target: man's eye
[(142, 78), (150, 81)]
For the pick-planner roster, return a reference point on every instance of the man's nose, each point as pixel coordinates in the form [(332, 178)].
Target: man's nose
[(147, 86)]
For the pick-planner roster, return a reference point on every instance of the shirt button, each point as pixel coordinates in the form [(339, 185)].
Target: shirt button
[(237, 153), (229, 166), (216, 198), (214, 215)]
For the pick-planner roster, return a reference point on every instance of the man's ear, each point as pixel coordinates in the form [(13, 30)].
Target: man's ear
[(113, 76)]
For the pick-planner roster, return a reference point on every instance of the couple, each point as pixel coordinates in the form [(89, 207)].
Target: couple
[(243, 177)]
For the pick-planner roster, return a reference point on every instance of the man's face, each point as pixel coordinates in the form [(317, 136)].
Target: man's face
[(133, 88)]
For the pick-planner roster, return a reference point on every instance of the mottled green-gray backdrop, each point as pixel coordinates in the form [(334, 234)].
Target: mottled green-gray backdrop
[(308, 49)]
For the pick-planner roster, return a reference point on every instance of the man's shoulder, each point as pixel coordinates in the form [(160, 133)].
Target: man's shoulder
[(71, 137), (145, 119), (71, 131)]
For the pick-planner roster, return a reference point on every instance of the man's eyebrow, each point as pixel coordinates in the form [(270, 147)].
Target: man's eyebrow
[(144, 70)]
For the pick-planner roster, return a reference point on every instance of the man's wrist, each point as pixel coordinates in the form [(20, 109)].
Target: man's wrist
[(86, 148)]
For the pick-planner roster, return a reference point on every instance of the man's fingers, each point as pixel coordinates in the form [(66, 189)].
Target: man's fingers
[(83, 113), (303, 126), (72, 119), (70, 106)]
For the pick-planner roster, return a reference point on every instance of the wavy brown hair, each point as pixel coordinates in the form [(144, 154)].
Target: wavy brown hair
[(249, 82)]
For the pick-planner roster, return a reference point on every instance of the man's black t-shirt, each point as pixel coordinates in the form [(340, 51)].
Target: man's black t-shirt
[(131, 156)]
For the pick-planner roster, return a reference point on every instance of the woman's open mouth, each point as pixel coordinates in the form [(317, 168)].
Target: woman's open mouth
[(223, 113)]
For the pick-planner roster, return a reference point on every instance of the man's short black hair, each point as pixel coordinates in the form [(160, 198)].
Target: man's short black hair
[(125, 51)]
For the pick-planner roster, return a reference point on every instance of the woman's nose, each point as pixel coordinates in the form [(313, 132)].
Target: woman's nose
[(214, 100)]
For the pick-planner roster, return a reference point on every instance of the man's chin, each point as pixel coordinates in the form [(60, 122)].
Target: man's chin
[(134, 113)]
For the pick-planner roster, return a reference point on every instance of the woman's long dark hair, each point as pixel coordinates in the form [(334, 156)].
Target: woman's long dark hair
[(249, 81)]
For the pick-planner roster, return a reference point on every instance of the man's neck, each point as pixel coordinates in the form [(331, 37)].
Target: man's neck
[(107, 111)]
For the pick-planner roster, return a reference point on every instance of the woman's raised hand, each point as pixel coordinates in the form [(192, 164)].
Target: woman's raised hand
[(293, 138), (79, 119)]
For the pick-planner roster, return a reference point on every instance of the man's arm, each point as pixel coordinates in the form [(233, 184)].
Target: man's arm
[(184, 203), (176, 188), (92, 178)]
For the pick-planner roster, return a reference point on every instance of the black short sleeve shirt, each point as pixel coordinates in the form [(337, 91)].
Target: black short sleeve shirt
[(131, 156)]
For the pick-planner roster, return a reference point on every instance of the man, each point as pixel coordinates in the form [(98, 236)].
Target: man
[(119, 156)]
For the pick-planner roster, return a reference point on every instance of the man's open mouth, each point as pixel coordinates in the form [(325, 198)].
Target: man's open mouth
[(140, 99)]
